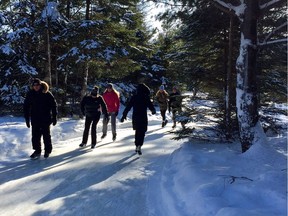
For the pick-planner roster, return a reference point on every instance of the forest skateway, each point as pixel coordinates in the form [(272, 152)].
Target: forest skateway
[(105, 181)]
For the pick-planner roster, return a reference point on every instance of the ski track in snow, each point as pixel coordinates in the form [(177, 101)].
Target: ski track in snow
[(108, 180)]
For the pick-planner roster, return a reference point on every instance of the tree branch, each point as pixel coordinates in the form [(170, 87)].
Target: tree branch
[(233, 178), (273, 42), (227, 8), (271, 4), (233, 10), (274, 31)]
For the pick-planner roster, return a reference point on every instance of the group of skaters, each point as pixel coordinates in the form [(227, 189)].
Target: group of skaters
[(93, 106), (171, 102), (40, 109)]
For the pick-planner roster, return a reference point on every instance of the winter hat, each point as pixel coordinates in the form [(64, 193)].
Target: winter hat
[(162, 87), (36, 81), (109, 85), (95, 90)]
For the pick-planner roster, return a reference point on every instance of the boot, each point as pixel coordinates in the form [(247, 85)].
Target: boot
[(166, 121), (35, 155), (139, 150), (46, 154), (82, 145), (114, 137)]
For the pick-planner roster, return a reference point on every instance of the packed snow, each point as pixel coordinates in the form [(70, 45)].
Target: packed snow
[(171, 178)]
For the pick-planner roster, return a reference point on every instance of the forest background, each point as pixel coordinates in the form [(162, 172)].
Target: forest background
[(202, 47)]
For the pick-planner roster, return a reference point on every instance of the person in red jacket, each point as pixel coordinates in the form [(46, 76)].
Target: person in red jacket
[(112, 99)]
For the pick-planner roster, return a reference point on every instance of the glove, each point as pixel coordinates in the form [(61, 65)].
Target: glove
[(122, 119), (54, 121), (116, 113), (153, 112), (27, 123)]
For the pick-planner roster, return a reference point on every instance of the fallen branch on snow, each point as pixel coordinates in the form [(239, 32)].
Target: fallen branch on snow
[(233, 178)]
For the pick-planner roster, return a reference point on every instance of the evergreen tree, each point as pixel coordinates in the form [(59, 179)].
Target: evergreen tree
[(98, 38), (209, 51)]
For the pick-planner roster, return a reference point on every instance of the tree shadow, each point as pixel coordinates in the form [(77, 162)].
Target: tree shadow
[(81, 179), (26, 167)]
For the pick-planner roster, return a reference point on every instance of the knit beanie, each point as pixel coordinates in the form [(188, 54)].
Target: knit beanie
[(162, 87), (95, 90), (109, 85)]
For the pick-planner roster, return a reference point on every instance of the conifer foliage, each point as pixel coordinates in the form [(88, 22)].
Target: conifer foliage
[(206, 55), (69, 44)]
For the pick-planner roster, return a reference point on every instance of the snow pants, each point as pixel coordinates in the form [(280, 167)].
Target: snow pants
[(39, 130), (139, 137)]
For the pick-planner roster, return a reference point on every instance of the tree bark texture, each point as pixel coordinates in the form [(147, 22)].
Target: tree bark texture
[(88, 3), (85, 79), (247, 102), (229, 81)]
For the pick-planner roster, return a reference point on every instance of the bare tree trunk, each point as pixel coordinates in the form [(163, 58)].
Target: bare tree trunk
[(49, 73), (229, 81), (68, 9), (247, 109), (48, 76), (86, 69), (85, 80), (88, 3)]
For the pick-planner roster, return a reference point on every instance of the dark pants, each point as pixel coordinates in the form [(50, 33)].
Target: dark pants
[(163, 114), (39, 130), (88, 121), (139, 137), (176, 111)]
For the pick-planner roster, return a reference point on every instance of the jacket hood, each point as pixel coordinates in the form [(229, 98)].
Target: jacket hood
[(143, 89), (44, 86)]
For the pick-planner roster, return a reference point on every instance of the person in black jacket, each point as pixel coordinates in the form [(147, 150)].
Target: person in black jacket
[(140, 102), (41, 108), (91, 106)]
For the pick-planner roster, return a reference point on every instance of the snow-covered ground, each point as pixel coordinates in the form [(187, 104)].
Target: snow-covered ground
[(171, 178)]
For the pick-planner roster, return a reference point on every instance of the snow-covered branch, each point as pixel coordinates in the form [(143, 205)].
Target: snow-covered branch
[(271, 4), (224, 6), (283, 40), (275, 30), (231, 9)]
